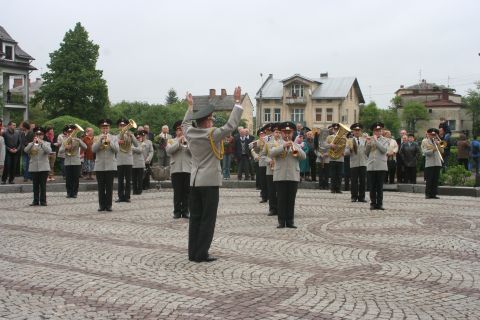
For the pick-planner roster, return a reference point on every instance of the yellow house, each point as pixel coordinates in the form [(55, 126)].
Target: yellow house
[(316, 103)]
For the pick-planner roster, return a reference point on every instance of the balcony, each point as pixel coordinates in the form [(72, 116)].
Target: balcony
[(295, 100), (15, 101)]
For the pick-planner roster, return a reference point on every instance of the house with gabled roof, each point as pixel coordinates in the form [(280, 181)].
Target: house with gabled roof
[(14, 63), (314, 102), (225, 102)]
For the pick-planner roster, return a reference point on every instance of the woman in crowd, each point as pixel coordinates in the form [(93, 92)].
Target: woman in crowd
[(463, 151)]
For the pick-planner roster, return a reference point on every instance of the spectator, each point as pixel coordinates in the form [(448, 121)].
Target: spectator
[(311, 156), (463, 150), (148, 133), (27, 137), (409, 152), (88, 156), (9, 96), (400, 166), (304, 164), (253, 166), (161, 143), (242, 154), (229, 144), (50, 137), (13, 146), (475, 152), (444, 124), (391, 157), (445, 136)]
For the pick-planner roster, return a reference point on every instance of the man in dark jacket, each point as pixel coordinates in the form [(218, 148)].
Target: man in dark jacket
[(409, 152), (13, 148), (242, 154)]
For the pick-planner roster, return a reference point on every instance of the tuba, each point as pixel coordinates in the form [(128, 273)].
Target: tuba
[(340, 141), (69, 140), (127, 145)]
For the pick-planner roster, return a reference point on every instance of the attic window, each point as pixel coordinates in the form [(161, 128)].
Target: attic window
[(297, 91), (8, 50)]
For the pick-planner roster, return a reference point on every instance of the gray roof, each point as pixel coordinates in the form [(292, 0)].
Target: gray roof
[(329, 88), (224, 103), (426, 86), (4, 36)]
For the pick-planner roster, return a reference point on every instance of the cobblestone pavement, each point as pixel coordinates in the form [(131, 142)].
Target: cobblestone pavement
[(419, 259)]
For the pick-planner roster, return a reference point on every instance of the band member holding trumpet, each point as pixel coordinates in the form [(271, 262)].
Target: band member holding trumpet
[(206, 145), (376, 150), (432, 148), (125, 158), (358, 163), (256, 147), (286, 175), (105, 146), (337, 142), (39, 149), (180, 168), (71, 148), (138, 167), (274, 142)]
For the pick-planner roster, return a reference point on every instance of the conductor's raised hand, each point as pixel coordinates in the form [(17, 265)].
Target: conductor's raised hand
[(237, 94), (189, 99)]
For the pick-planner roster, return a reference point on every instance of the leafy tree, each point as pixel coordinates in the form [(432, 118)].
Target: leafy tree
[(396, 102), (73, 86), (390, 119), (369, 114), (472, 103), (171, 97), (414, 111)]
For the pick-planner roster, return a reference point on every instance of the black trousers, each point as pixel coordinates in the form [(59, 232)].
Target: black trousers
[(358, 175), (105, 188), (10, 166), (376, 178), (146, 177), (181, 190), (286, 193), (137, 180), (392, 169), (313, 169), (203, 205), (72, 177), (346, 173), (432, 174), (262, 179), (336, 168), (272, 194), (243, 167), (124, 176), (410, 175), (39, 187), (323, 175)]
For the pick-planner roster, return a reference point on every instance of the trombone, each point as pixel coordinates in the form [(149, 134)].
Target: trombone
[(439, 142)]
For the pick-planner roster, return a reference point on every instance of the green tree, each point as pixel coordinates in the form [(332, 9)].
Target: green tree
[(414, 111), (390, 119), (472, 103), (369, 114), (73, 86), (396, 102), (171, 97)]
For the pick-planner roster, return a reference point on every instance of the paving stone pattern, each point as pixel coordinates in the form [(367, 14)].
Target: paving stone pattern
[(419, 259)]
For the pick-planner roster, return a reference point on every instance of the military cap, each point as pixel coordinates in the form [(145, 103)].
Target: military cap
[(377, 125), (356, 126), (105, 122), (433, 130)]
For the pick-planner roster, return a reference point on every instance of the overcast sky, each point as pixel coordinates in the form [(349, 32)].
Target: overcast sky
[(148, 47)]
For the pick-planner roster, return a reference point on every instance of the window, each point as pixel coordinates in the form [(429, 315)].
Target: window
[(297, 115), (318, 115), (276, 114), (329, 114), (267, 115), (297, 90), (345, 118), (430, 110), (452, 124), (8, 50)]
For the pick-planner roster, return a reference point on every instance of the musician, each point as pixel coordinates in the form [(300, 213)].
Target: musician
[(275, 141), (105, 146), (205, 142), (180, 168), (138, 166), (39, 166), (71, 148), (161, 143), (376, 150), (60, 155), (358, 163), (336, 163), (256, 148), (286, 175), (323, 160), (148, 151), (124, 160), (433, 162)]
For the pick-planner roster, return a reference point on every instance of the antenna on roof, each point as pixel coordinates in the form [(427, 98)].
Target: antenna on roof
[(420, 75)]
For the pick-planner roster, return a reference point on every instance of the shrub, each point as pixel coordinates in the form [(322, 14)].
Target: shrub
[(59, 122), (455, 176)]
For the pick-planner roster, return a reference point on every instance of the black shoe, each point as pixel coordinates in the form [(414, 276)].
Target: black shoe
[(74, 196), (354, 200), (434, 197), (373, 207), (11, 182), (33, 204), (119, 200), (126, 200), (109, 209), (100, 209), (362, 200), (44, 204), (263, 201), (68, 196), (280, 226), (292, 226), (4, 182), (209, 259), (379, 208), (177, 216), (272, 213), (186, 215), (338, 191)]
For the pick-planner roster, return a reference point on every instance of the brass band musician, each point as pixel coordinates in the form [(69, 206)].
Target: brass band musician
[(432, 148)]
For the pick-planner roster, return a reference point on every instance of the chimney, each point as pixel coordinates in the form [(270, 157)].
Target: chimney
[(38, 79), (324, 75), (402, 86), (445, 94), (212, 93), (17, 82), (224, 93)]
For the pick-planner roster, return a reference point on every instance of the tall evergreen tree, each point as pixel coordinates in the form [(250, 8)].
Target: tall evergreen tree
[(73, 86), (171, 97)]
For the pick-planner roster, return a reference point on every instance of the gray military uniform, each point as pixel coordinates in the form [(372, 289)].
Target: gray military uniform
[(74, 158), (2, 151), (180, 157), (377, 154), (39, 161), (206, 169), (358, 159), (287, 168), (148, 151), (105, 159), (126, 158), (267, 151), (138, 157), (432, 157)]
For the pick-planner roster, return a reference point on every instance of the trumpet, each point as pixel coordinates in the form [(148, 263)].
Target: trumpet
[(292, 148)]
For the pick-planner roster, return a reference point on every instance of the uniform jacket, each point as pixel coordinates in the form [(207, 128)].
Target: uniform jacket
[(39, 161), (2, 151), (258, 155), (377, 154), (180, 157), (73, 160), (267, 153), (60, 139), (105, 159), (148, 151), (206, 169), (432, 157), (358, 159), (126, 158), (137, 156), (287, 167)]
